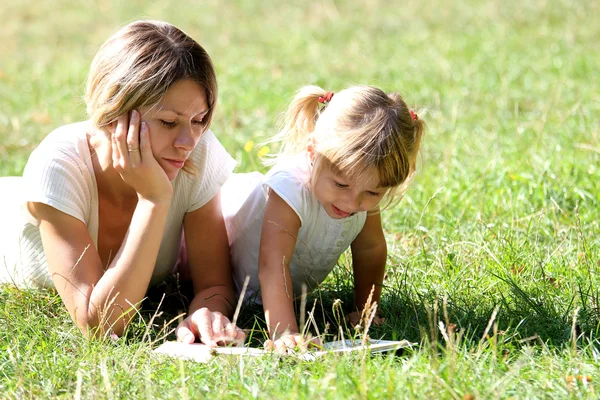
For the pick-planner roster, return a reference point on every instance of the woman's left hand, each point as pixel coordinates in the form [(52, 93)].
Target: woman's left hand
[(354, 319), (212, 328)]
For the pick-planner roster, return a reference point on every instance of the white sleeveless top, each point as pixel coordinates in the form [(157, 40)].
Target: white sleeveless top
[(321, 239), (59, 173)]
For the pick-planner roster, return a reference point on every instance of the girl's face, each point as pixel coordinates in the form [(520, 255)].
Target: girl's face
[(176, 125), (342, 198)]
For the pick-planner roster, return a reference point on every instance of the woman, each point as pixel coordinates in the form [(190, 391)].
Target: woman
[(106, 200)]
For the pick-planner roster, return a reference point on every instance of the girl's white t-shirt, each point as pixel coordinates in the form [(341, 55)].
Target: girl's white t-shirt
[(59, 173), (321, 239)]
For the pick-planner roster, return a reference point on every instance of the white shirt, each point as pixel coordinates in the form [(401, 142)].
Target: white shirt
[(321, 239), (59, 173)]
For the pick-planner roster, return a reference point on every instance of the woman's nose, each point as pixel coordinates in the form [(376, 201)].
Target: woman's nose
[(184, 139)]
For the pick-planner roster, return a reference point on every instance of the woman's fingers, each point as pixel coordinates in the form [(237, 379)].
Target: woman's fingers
[(184, 334), (203, 319), (133, 139), (225, 332), (145, 148), (213, 329), (126, 143), (118, 140), (232, 334)]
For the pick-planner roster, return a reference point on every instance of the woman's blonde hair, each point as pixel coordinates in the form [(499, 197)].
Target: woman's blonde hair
[(359, 128), (136, 66)]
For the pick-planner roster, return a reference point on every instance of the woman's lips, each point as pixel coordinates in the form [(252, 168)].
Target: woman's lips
[(175, 163)]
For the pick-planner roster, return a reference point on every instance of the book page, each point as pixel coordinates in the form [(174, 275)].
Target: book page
[(202, 353)]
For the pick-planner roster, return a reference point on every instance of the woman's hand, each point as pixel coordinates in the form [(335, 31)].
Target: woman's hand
[(354, 319), (133, 159), (289, 342), (212, 328)]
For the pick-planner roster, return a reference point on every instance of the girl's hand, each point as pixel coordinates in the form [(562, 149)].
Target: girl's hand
[(133, 159), (212, 328), (354, 319), (289, 342)]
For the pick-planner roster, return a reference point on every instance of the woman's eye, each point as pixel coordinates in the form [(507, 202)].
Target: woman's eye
[(168, 124)]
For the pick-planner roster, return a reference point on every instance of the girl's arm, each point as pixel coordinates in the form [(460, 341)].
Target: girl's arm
[(369, 255), (208, 257), (277, 242)]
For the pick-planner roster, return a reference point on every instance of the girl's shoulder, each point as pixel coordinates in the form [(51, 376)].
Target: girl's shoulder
[(295, 168)]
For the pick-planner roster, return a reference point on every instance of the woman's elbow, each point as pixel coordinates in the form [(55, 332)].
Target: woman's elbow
[(98, 325)]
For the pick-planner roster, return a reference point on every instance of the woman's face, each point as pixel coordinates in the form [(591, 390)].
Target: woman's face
[(176, 124)]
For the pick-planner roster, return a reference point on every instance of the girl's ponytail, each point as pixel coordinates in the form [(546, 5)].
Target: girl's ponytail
[(299, 121)]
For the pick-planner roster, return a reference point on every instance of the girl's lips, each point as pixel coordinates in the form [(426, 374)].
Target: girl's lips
[(339, 212), (175, 163)]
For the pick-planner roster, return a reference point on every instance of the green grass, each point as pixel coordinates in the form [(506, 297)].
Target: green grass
[(503, 214)]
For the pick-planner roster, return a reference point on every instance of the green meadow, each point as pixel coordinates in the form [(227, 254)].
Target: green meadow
[(494, 252)]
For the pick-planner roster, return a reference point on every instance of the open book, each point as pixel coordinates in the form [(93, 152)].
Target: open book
[(202, 353)]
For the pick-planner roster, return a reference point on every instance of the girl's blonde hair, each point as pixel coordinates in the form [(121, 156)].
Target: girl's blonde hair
[(136, 66), (360, 128)]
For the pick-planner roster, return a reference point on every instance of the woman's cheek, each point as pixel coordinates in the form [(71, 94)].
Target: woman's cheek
[(154, 132)]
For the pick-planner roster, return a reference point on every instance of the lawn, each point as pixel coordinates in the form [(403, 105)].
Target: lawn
[(494, 252)]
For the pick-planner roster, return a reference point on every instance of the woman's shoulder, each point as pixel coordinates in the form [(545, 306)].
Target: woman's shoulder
[(209, 152), (64, 152), (66, 138), (212, 165)]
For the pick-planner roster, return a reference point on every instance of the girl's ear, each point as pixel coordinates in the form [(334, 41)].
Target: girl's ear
[(310, 149)]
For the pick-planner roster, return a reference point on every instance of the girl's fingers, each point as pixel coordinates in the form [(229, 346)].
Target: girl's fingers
[(280, 346), (269, 345), (288, 343)]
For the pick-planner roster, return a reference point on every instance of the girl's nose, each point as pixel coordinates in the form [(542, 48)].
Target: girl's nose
[(355, 202)]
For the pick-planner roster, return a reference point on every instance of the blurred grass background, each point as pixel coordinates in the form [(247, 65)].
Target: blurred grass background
[(503, 212)]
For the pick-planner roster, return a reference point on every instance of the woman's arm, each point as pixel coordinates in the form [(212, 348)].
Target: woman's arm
[(277, 242), (210, 269), (106, 297), (98, 298), (208, 257), (369, 255)]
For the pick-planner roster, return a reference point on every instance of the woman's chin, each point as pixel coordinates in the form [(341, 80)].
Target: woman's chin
[(171, 174)]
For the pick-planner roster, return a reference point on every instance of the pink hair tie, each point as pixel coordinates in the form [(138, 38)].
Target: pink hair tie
[(326, 98), (413, 115)]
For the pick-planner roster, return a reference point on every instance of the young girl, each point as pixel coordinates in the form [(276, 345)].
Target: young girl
[(342, 157), (106, 200)]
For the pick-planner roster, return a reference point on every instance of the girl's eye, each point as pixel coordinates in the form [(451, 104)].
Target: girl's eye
[(375, 194), (196, 122), (168, 124), (340, 185)]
